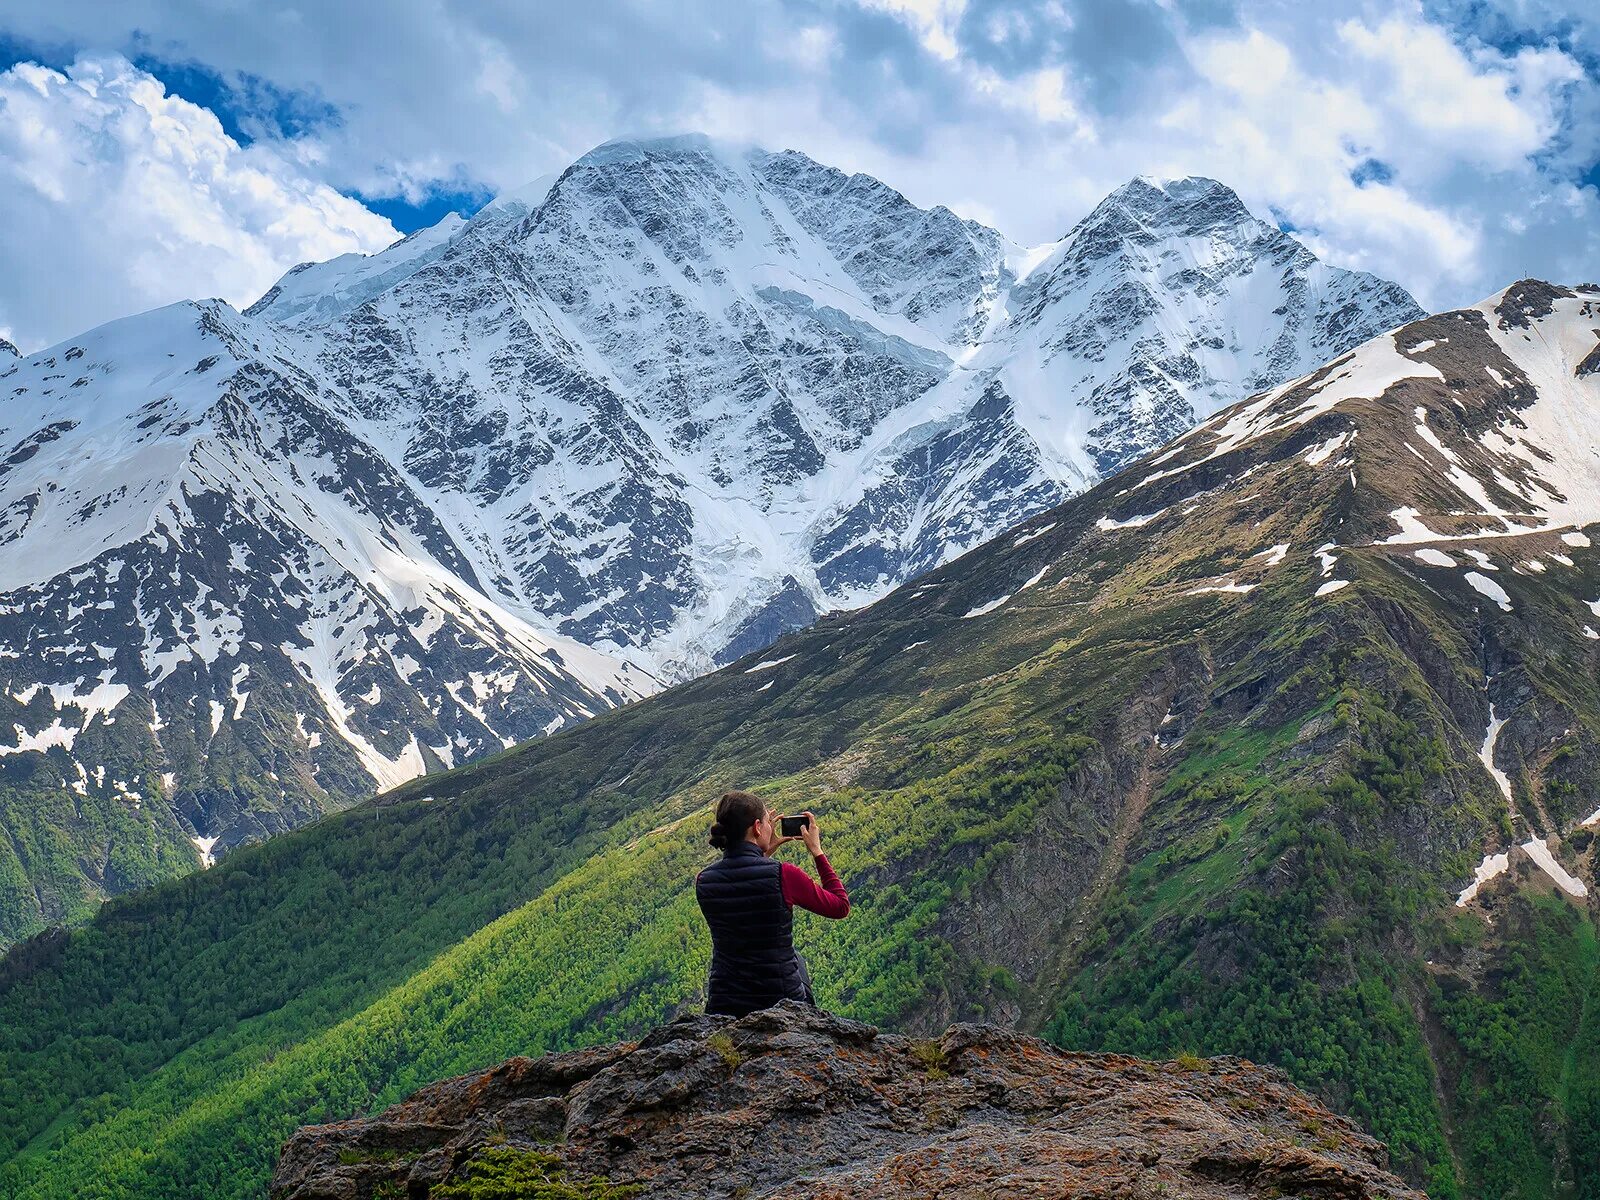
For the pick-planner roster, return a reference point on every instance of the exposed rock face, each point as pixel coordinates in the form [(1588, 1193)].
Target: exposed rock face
[(793, 1103)]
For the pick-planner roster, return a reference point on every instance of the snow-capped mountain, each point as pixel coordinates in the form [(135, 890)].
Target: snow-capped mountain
[(225, 613), (1167, 302), (622, 425), (1479, 424), (1254, 716), (707, 394)]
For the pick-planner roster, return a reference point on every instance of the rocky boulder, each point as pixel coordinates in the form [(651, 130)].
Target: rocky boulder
[(794, 1103)]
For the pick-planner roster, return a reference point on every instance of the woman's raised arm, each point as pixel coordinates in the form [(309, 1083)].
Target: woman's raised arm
[(828, 900)]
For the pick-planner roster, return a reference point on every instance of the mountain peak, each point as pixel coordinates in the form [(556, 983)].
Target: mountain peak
[(641, 149), (1531, 299), (6, 348), (801, 1103), (1190, 203)]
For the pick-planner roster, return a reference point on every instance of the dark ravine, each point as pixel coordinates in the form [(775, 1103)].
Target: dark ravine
[(791, 1102)]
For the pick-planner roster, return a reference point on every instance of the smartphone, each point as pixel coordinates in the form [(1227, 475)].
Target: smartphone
[(793, 825)]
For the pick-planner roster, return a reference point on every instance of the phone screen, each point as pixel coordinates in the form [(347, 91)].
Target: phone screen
[(793, 825)]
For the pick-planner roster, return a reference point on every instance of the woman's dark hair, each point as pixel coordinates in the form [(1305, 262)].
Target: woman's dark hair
[(736, 812)]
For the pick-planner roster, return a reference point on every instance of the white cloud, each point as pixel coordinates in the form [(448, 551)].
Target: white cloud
[(1253, 65), (1488, 108), (1456, 131), (116, 197), (1027, 111), (933, 20)]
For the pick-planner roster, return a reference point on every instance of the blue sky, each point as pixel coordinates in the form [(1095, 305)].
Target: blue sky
[(152, 150)]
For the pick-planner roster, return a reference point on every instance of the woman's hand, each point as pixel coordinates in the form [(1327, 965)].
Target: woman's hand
[(810, 835), (767, 833)]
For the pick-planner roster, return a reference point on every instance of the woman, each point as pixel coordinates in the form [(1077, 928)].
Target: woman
[(748, 899)]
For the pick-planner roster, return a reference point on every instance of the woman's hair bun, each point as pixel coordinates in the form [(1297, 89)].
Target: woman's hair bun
[(736, 812)]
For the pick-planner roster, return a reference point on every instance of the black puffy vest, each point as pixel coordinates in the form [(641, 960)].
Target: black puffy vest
[(752, 933)]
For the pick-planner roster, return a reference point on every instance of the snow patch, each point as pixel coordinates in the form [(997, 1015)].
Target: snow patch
[(985, 608), (1273, 554), (1024, 539), (54, 734), (98, 700), (1323, 451), (1229, 586), (1435, 558), (1492, 865), (1107, 524), (1332, 586), (1034, 578), (1491, 736), (1488, 587), (240, 674), (1539, 850), (768, 664)]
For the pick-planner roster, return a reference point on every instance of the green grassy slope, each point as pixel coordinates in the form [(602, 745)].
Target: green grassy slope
[(57, 863), (119, 832)]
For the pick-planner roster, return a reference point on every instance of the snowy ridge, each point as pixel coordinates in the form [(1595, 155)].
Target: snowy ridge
[(315, 292), (212, 557), (1504, 404)]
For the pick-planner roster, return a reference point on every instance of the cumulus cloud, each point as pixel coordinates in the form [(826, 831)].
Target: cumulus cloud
[(1481, 106), (1398, 149), (117, 197), (1447, 144)]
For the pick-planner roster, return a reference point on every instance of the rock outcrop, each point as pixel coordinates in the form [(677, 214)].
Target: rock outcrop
[(793, 1103)]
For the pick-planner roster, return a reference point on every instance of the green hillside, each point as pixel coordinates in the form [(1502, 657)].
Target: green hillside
[(1135, 806)]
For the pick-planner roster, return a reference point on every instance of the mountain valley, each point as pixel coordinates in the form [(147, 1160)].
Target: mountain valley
[(1282, 742)]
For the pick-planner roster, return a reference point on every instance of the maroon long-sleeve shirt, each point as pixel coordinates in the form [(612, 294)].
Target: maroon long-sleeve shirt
[(828, 900)]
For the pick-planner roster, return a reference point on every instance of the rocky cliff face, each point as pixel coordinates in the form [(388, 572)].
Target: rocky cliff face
[(795, 1104)]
